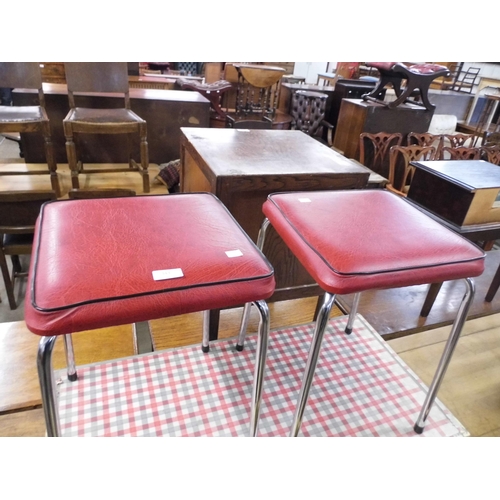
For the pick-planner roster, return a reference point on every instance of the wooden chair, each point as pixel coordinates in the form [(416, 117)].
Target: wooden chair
[(308, 115), (453, 141), (103, 78), (491, 153), (426, 139), (18, 213), (28, 119), (466, 80), (400, 170), (374, 150), (462, 153), (81, 194)]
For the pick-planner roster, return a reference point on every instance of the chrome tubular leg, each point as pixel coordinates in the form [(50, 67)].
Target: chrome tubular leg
[(246, 310), (243, 326), (456, 330), (70, 357), (48, 386), (312, 361), (352, 314), (205, 345), (260, 365)]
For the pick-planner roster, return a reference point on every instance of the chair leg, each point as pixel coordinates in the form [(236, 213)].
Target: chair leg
[(205, 345), (352, 314), (246, 310), (51, 162), (145, 162), (260, 365), (70, 358), (9, 286), (72, 160), (312, 361), (456, 330), (48, 386)]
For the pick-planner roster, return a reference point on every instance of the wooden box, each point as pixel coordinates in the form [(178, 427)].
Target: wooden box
[(463, 192)]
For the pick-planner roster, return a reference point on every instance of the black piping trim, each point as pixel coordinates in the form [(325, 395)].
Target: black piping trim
[(143, 294), (368, 273)]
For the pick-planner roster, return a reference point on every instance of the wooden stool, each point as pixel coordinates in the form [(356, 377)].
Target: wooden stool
[(111, 261), (350, 241)]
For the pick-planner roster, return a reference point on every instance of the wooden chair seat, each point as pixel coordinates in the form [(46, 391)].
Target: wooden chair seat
[(12, 114), (103, 78)]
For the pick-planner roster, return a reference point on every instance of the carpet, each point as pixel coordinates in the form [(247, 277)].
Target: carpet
[(361, 388)]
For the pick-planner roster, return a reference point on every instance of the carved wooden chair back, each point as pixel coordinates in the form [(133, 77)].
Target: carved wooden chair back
[(491, 153), (400, 170), (462, 153), (374, 150), (19, 211)]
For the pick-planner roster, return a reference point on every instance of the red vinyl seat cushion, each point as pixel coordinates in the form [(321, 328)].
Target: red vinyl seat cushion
[(350, 241), (93, 260)]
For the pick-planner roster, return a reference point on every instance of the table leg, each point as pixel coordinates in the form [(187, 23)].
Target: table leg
[(495, 284), (430, 298)]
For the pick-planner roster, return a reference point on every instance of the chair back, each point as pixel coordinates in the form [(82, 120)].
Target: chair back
[(20, 209), (24, 75), (102, 77), (491, 153), (400, 170), (462, 153), (308, 111), (374, 150)]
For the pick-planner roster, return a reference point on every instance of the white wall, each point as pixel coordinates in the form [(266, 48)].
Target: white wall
[(309, 70)]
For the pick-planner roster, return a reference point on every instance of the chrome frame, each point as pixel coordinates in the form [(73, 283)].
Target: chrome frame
[(314, 350), (456, 330), (352, 314), (70, 357), (49, 388)]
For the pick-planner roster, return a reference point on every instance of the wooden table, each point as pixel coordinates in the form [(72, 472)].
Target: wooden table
[(242, 167)]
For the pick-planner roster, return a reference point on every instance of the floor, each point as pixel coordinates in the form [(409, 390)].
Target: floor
[(471, 389)]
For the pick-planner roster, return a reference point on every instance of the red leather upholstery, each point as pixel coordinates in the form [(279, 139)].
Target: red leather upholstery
[(350, 241), (93, 260)]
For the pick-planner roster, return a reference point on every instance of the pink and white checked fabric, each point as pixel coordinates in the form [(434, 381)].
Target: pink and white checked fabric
[(361, 388)]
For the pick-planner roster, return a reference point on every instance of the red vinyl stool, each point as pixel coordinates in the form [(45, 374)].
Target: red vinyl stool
[(110, 261), (351, 241)]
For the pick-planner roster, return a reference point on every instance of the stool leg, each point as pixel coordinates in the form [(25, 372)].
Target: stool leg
[(312, 361), (260, 365), (243, 326), (205, 344), (70, 357), (246, 310), (456, 330), (48, 386), (352, 314)]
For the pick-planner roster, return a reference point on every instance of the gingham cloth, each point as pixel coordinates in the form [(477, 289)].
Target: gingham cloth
[(361, 388)]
